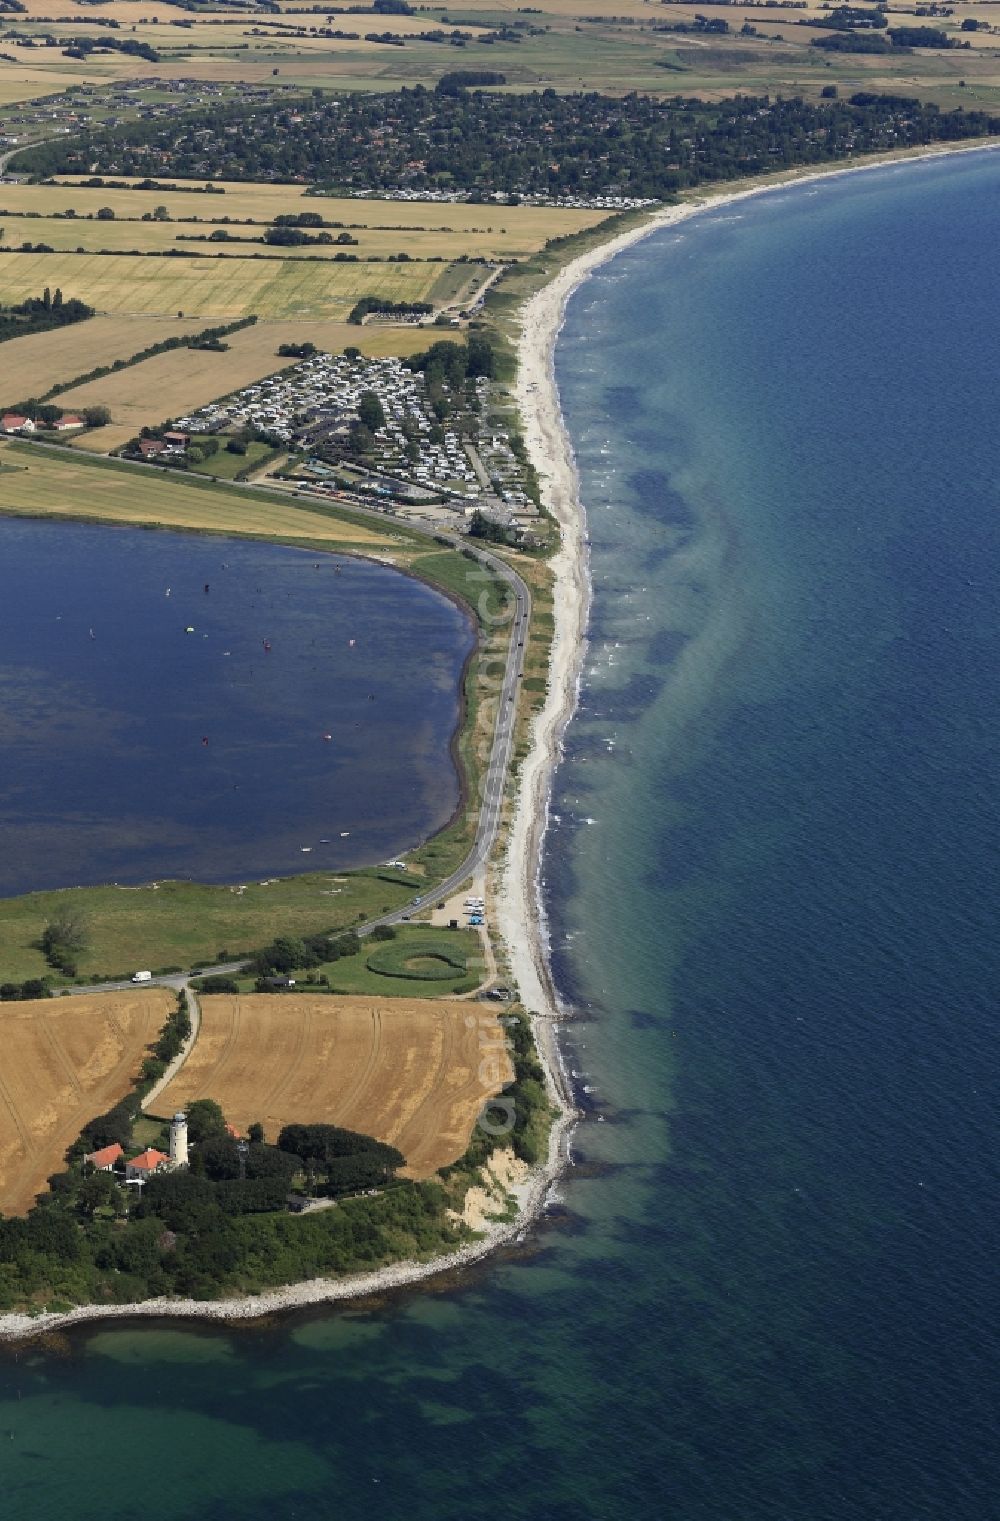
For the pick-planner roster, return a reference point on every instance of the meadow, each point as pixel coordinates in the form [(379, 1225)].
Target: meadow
[(571, 45), (414, 1073), (65, 1060), (185, 923)]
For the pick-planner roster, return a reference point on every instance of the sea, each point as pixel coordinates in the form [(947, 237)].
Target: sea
[(767, 1288), (211, 709)]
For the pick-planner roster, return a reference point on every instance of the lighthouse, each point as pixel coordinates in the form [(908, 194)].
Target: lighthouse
[(179, 1140)]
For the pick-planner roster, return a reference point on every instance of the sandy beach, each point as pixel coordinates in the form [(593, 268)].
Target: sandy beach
[(518, 908)]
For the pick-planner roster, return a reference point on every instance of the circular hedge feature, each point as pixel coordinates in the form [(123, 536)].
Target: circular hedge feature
[(424, 961)]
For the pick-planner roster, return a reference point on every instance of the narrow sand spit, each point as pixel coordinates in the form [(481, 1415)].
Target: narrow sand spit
[(519, 915)]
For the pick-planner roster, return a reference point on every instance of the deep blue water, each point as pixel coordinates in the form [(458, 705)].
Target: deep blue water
[(134, 750), (771, 1294)]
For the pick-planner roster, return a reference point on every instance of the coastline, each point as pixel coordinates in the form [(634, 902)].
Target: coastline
[(519, 910)]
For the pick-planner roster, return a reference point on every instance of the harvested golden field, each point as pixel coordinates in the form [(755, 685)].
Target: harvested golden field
[(495, 235), (65, 1060), (531, 225), (38, 482), (34, 364), (175, 383), (127, 12), (412, 1072), (214, 288)]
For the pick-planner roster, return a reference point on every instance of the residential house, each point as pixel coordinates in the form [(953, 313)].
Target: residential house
[(143, 1167), (105, 1159)]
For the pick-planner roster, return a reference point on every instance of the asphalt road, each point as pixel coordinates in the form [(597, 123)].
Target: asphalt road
[(493, 781)]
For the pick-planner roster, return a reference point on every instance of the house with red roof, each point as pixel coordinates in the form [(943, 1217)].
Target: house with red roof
[(142, 1167), (13, 422), (67, 421), (105, 1159)]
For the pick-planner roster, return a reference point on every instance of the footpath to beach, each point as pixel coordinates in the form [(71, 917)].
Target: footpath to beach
[(518, 913)]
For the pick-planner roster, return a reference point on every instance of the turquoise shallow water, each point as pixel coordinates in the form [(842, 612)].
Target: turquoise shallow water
[(771, 1291)]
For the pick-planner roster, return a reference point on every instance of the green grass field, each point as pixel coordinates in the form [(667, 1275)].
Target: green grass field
[(224, 466), (48, 483), (440, 962), (183, 923)]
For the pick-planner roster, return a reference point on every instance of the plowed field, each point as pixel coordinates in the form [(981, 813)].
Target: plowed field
[(412, 1072), (63, 1061)]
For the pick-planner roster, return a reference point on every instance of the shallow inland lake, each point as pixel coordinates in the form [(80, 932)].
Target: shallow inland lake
[(172, 706)]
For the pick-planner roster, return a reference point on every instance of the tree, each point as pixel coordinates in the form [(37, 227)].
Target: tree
[(105, 214), (370, 411), (236, 446), (255, 1133), (96, 417), (206, 1121), (62, 940)]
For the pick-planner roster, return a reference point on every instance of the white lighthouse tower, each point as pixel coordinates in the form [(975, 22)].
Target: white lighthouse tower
[(179, 1140)]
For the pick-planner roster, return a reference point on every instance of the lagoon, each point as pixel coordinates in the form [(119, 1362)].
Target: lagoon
[(134, 750)]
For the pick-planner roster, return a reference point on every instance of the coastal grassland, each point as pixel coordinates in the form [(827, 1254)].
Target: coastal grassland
[(410, 1072), (34, 364), (186, 923), (65, 1060), (215, 287), (40, 482)]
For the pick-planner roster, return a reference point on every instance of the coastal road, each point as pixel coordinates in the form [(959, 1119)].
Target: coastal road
[(494, 779)]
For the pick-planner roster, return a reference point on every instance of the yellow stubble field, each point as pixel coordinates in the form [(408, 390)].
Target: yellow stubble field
[(414, 1072), (261, 202), (65, 1060), (213, 288), (34, 364)]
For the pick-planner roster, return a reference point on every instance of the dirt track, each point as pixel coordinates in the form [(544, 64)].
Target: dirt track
[(409, 1071), (63, 1061)]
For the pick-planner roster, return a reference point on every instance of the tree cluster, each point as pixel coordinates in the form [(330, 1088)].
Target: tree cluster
[(533, 142), (37, 314)]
